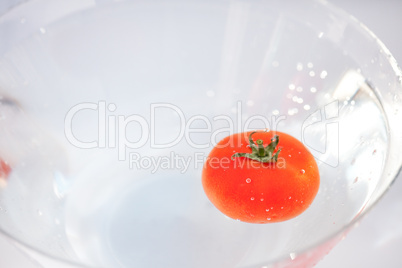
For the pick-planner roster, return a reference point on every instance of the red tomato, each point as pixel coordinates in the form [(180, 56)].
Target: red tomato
[(257, 182)]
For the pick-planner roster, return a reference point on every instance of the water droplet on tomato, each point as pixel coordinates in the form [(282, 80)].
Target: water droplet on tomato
[(248, 180), (281, 207), (267, 210), (252, 198), (268, 219), (290, 197), (302, 171), (262, 199)]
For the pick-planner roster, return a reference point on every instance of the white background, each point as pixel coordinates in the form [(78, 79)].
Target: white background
[(377, 242)]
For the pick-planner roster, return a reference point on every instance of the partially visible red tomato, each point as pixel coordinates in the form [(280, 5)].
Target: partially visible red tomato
[(5, 170), (256, 182)]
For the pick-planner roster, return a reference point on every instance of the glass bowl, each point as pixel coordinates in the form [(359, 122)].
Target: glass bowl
[(108, 110)]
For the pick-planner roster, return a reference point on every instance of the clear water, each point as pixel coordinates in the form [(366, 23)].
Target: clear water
[(112, 206)]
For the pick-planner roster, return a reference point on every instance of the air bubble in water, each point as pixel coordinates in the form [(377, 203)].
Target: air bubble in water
[(293, 111), (323, 74), (292, 86)]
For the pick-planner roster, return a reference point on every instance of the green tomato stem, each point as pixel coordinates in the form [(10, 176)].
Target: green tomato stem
[(259, 152)]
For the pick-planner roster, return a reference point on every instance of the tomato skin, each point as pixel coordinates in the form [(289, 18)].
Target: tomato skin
[(256, 192)]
